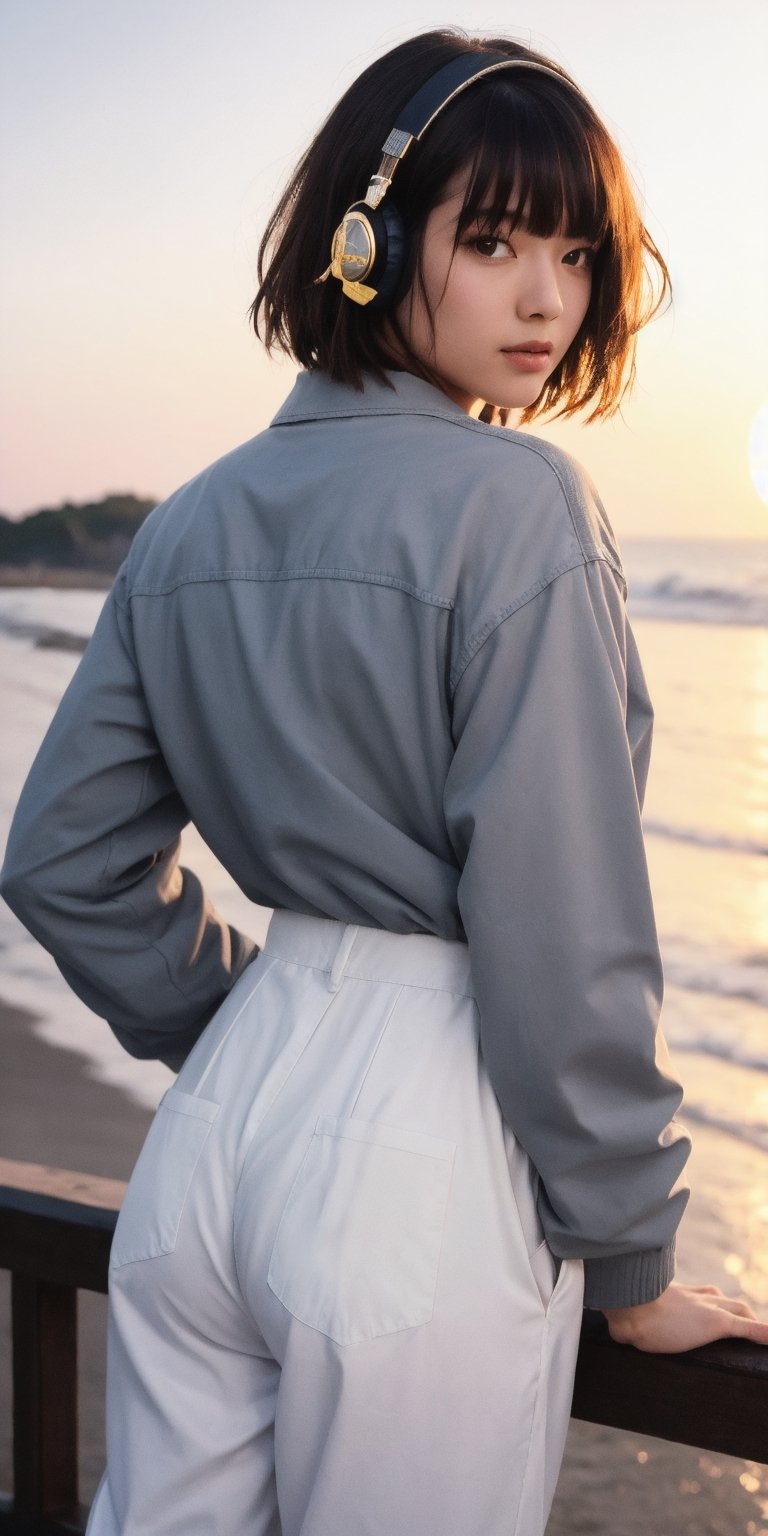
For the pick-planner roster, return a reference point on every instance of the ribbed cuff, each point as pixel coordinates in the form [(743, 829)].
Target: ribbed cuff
[(629, 1279)]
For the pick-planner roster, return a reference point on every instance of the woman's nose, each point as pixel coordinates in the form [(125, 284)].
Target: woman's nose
[(539, 296)]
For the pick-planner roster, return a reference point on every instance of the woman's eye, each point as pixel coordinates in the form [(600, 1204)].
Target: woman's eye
[(583, 256), (490, 245)]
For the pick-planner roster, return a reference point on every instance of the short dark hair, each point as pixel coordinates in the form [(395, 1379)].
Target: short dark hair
[(519, 130)]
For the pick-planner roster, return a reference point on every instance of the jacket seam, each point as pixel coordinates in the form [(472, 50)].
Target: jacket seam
[(300, 573), (477, 640), (562, 471)]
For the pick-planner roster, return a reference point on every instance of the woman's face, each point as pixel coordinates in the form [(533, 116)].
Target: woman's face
[(506, 307)]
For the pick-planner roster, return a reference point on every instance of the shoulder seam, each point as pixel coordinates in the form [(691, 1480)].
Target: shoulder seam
[(506, 435), (478, 638)]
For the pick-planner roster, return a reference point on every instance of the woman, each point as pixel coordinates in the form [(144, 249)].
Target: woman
[(379, 657)]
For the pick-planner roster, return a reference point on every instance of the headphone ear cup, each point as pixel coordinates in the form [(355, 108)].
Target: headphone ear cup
[(386, 278), (388, 233)]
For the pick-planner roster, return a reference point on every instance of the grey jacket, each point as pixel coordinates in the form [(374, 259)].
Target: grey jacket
[(379, 656)]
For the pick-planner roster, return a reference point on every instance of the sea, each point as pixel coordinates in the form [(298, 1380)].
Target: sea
[(700, 614)]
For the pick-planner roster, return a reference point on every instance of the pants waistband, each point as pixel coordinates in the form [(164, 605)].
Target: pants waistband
[(369, 954)]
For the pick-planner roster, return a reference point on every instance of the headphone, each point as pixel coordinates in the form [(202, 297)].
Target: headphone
[(368, 248)]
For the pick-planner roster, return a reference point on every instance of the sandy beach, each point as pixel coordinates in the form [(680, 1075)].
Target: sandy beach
[(612, 1484)]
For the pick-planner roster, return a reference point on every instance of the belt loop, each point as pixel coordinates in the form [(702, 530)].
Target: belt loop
[(349, 934)]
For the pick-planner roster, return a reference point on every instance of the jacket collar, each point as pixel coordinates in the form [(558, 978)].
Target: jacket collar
[(316, 397)]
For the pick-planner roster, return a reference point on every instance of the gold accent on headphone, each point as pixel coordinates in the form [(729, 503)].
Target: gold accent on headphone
[(353, 251)]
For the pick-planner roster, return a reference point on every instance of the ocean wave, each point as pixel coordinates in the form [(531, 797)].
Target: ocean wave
[(719, 1047), (706, 839), (43, 636), (49, 617), (755, 1132), (677, 598), (716, 1009), (741, 979)]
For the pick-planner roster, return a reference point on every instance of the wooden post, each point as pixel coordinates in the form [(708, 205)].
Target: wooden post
[(44, 1396)]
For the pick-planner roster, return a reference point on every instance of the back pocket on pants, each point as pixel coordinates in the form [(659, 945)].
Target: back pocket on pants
[(357, 1250), (148, 1224)]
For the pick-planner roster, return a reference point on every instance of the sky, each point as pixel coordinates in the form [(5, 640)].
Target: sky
[(146, 141)]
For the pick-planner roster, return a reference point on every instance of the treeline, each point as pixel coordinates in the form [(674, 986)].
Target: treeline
[(93, 536)]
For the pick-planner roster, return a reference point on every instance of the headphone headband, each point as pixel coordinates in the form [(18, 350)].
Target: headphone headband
[(355, 251), (420, 112)]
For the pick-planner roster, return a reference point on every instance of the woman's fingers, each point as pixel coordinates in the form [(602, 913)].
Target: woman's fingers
[(684, 1317), (733, 1304), (749, 1328)]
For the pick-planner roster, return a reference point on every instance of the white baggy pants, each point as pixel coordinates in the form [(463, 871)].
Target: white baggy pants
[(332, 1310)]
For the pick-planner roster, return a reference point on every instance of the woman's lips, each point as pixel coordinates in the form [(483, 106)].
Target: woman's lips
[(530, 360)]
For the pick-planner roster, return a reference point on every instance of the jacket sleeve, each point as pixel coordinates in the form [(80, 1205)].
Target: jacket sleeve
[(543, 802), (92, 868)]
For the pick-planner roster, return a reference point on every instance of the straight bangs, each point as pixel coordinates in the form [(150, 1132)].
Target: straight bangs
[(535, 165)]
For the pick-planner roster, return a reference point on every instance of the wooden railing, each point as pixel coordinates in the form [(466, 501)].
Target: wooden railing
[(55, 1233)]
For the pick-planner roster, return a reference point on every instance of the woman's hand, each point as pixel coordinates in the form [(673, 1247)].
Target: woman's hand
[(683, 1317)]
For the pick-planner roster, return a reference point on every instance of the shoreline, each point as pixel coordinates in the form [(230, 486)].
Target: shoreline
[(612, 1483), (60, 577)]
